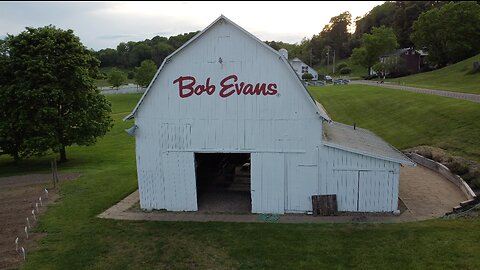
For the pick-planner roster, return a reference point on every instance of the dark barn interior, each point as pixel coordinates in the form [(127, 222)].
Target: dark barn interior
[(223, 182)]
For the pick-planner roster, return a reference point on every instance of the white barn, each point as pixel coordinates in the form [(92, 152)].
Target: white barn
[(226, 97)]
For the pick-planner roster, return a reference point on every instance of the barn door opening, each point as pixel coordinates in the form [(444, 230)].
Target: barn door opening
[(223, 182)]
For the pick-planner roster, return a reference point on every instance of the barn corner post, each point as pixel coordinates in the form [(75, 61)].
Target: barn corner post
[(225, 93)]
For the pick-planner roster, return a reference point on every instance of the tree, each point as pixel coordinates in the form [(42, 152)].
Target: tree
[(144, 74), (381, 40), (307, 76), (48, 98), (451, 33), (117, 77), (336, 33)]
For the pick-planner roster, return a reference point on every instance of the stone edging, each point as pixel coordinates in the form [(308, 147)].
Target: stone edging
[(443, 170)]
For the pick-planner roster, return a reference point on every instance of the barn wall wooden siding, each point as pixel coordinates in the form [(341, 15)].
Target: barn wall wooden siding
[(282, 132)]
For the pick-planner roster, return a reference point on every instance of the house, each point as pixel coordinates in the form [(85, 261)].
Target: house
[(405, 61), (227, 115), (299, 66)]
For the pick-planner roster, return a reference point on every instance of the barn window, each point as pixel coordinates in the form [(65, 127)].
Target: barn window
[(223, 182), (304, 69)]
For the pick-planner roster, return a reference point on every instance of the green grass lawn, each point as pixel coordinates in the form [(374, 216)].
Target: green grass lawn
[(76, 239), (454, 78), (406, 119)]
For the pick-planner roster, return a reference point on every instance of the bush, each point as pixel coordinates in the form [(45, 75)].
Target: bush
[(307, 76), (341, 66), (131, 75), (345, 70)]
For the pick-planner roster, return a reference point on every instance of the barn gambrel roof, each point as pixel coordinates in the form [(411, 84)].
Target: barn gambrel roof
[(319, 110)]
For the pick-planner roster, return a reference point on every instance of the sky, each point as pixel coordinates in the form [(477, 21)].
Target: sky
[(105, 24)]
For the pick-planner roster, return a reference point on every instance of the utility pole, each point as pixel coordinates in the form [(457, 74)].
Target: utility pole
[(333, 61), (328, 57), (311, 56)]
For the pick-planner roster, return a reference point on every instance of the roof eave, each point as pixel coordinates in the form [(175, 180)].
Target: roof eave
[(405, 161)]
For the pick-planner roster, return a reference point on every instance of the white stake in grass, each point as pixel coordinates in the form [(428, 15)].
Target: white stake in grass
[(23, 251), (36, 206), (16, 244), (40, 199), (28, 223), (26, 231), (46, 193), (33, 213)]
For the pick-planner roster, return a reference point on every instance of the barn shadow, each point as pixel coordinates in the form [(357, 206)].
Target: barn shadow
[(223, 182)]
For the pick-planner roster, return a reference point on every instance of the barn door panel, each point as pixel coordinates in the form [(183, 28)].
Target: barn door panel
[(180, 184), (347, 190), (268, 183), (375, 191)]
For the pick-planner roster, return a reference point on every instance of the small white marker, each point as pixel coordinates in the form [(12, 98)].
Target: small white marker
[(36, 206), (40, 199), (46, 193), (16, 244), (33, 213), (28, 223), (26, 231), (23, 251)]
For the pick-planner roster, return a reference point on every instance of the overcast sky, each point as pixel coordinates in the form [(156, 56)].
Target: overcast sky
[(105, 24)]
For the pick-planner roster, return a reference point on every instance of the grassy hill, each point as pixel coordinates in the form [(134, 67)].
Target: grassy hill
[(76, 239), (456, 78), (357, 71)]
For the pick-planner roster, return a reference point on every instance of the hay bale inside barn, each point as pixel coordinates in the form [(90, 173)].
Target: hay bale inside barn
[(227, 115)]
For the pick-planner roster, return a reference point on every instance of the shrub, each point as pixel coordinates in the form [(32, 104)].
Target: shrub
[(345, 70), (307, 76), (131, 75), (341, 66)]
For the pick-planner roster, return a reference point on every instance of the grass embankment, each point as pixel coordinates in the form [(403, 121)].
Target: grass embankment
[(455, 78), (356, 73), (406, 119), (76, 239)]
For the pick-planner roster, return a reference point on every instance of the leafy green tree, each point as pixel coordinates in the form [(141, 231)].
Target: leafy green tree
[(451, 33), (144, 74), (117, 77), (381, 40), (336, 33), (48, 98)]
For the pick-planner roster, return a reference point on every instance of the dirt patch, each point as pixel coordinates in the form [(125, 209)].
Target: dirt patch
[(18, 197), (427, 194)]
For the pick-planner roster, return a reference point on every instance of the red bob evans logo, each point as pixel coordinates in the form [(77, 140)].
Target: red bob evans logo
[(230, 85)]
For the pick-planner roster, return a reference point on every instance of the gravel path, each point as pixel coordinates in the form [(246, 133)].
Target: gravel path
[(457, 95), (425, 193)]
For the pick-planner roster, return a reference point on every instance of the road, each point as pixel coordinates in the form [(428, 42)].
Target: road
[(457, 95), (124, 89)]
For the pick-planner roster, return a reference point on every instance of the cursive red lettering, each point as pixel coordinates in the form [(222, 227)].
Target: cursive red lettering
[(210, 89), (239, 87), (272, 89), (248, 89), (182, 87), (260, 89), (226, 91)]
